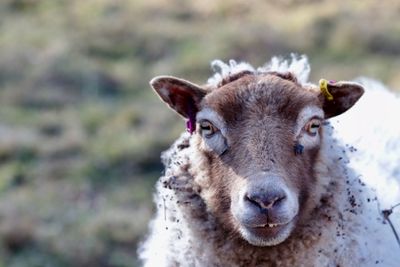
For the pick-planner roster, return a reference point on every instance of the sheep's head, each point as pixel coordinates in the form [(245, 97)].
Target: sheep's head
[(258, 135)]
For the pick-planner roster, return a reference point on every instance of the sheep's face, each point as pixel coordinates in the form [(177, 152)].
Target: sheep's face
[(257, 141), (262, 136)]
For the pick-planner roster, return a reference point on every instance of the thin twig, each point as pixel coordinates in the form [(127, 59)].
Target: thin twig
[(386, 214), (395, 206)]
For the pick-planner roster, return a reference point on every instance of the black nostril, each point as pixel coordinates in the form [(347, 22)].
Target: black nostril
[(253, 201), (266, 200)]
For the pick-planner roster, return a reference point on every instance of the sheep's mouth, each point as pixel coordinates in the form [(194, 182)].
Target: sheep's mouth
[(269, 229), (269, 225), (269, 234)]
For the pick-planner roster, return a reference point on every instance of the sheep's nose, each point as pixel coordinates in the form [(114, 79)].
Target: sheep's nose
[(266, 199)]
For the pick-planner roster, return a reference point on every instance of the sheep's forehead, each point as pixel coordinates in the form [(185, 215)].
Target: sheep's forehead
[(260, 95)]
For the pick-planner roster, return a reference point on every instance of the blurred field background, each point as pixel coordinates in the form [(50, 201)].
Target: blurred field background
[(81, 131)]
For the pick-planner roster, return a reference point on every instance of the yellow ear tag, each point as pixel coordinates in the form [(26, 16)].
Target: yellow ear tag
[(323, 86)]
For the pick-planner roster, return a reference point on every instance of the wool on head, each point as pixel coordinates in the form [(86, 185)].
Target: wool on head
[(297, 65)]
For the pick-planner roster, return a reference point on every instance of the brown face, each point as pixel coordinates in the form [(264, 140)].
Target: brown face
[(249, 130), (259, 137)]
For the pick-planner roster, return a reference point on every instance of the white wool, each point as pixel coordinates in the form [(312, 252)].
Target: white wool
[(223, 70), (297, 65), (371, 130), (373, 238)]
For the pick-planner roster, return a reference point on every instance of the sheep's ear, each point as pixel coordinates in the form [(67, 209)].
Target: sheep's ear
[(338, 97), (182, 96)]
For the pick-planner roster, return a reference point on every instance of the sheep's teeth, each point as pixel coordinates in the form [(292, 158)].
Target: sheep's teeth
[(271, 225)]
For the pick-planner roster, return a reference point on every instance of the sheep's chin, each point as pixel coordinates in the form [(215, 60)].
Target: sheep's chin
[(264, 236)]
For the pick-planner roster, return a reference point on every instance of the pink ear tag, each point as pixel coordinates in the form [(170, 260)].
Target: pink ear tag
[(191, 122), (191, 125)]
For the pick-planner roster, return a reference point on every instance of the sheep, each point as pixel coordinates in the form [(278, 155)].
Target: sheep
[(259, 178)]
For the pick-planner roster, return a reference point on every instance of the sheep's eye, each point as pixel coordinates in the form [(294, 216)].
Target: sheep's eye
[(207, 128), (313, 126)]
